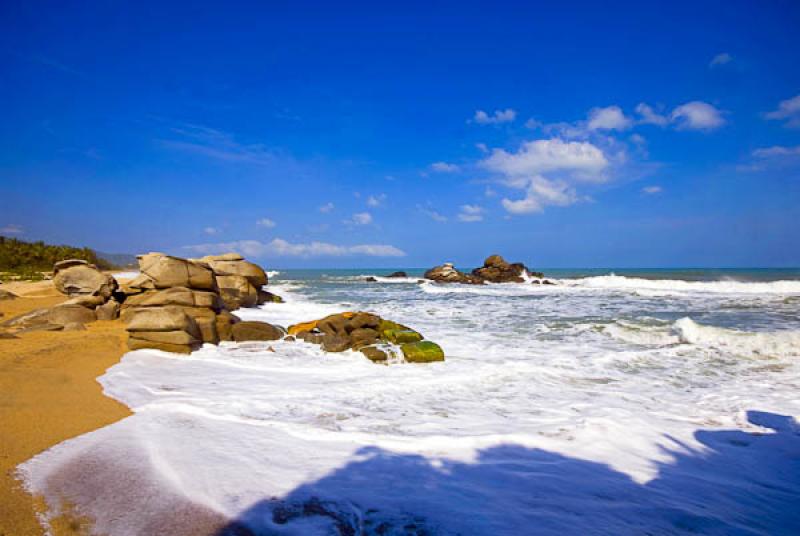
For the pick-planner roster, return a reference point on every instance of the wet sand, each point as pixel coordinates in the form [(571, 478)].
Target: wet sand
[(49, 393)]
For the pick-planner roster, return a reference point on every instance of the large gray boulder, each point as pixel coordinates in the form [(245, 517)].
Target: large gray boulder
[(234, 264), (167, 328), (76, 277), (165, 271)]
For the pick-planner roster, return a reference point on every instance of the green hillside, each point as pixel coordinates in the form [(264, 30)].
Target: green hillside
[(29, 258)]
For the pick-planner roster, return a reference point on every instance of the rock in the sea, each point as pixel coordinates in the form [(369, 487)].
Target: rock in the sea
[(237, 291), (422, 352), (397, 274), (77, 277), (370, 279), (224, 324), (364, 332), (497, 270), (268, 297), (374, 354), (448, 274), (256, 331)]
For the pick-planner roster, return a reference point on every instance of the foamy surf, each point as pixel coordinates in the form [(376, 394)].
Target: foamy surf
[(543, 419)]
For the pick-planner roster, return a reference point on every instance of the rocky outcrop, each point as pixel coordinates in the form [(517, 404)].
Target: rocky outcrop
[(370, 334), (447, 273), (192, 300), (496, 270), (76, 277), (239, 281), (397, 274)]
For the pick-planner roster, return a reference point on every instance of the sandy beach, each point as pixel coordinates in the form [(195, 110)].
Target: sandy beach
[(49, 393)]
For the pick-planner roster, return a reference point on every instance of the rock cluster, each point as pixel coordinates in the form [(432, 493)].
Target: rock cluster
[(93, 295), (495, 269), (177, 304), (370, 334)]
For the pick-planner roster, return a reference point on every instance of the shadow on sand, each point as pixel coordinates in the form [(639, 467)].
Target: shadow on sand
[(740, 483)]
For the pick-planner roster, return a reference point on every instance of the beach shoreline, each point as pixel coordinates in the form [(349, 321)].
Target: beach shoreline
[(49, 393)]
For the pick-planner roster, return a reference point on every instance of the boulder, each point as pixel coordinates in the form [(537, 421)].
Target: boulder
[(108, 311), (256, 331), (370, 279), (135, 343), (76, 277), (67, 314), (333, 325), (422, 352), (169, 318), (7, 295), (374, 354), (497, 270), (86, 300), (224, 324), (237, 291), (401, 336), (234, 264), (363, 337), (74, 326), (166, 271), (335, 343), (364, 320), (447, 273), (397, 274), (268, 297), (181, 296)]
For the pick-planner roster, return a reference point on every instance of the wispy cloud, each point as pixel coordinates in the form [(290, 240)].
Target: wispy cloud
[(12, 228), (720, 59), (359, 218), (266, 223), (444, 167), (432, 214), (499, 116), (218, 145), (471, 213), (608, 118), (777, 151), (788, 110), (648, 116), (282, 248), (376, 200), (326, 208), (211, 230), (652, 190)]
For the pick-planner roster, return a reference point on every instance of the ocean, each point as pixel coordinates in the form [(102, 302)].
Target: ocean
[(617, 401)]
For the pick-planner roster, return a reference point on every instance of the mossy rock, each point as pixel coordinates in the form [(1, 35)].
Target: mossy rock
[(402, 336), (374, 354), (422, 352)]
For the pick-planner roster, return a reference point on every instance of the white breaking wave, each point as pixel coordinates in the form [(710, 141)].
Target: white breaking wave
[(618, 282)]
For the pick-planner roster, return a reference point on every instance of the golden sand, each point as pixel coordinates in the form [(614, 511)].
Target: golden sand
[(49, 393)]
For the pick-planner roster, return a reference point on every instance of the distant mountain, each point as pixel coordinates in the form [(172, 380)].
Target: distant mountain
[(119, 260)]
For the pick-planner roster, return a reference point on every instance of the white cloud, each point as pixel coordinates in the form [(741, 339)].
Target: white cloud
[(651, 190), (12, 228), (482, 147), (360, 218), (376, 200), (648, 116), (539, 193), (697, 115), (327, 207), (582, 159), (282, 248), (720, 59), (211, 230), (608, 118), (444, 167), (266, 223), (777, 151), (499, 116), (432, 214), (470, 213), (788, 110)]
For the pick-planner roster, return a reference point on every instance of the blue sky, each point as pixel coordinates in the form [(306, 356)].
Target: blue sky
[(320, 134)]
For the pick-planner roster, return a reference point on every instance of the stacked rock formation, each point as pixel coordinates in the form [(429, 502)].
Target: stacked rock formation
[(177, 304), (370, 334), (495, 269), (92, 294)]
